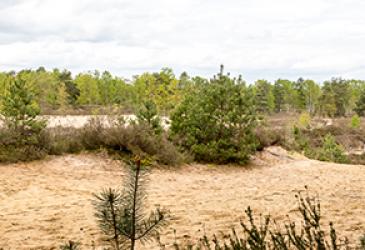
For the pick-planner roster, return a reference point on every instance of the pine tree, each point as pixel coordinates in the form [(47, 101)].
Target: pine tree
[(341, 90), (265, 102), (216, 122), (73, 92), (148, 115), (284, 95), (360, 104), (279, 92), (300, 99), (312, 92), (121, 214), (20, 112), (327, 101)]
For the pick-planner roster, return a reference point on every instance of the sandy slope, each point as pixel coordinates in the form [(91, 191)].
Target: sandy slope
[(47, 202)]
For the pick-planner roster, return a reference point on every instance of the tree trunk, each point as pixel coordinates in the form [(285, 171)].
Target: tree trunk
[(133, 236)]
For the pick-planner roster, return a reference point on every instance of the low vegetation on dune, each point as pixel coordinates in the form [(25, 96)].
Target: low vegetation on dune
[(213, 124), (216, 121), (221, 120)]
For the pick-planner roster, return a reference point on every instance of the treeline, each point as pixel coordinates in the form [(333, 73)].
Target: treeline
[(58, 90)]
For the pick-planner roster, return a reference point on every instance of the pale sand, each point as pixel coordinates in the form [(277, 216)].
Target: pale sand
[(79, 121), (45, 203)]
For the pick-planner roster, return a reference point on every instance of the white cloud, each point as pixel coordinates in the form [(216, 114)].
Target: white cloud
[(256, 38)]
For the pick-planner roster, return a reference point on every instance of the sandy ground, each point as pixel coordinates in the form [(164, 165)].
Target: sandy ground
[(43, 204), (79, 121)]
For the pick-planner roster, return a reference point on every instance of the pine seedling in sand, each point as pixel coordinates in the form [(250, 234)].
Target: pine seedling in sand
[(121, 214)]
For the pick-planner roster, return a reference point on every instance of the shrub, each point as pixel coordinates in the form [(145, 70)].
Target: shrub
[(134, 139), (21, 135), (92, 135), (13, 153), (216, 122), (147, 115), (61, 140), (301, 142), (268, 137), (355, 122), (304, 120), (141, 140), (331, 151), (119, 138)]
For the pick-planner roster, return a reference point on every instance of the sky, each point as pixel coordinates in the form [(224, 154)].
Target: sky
[(259, 39)]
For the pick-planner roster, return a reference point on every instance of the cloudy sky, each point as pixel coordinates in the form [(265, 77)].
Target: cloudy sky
[(268, 39)]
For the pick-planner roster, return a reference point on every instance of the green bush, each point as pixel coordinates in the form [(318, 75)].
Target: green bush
[(304, 120), (21, 135), (355, 122), (331, 151), (301, 142), (147, 115), (12, 153), (16, 147), (216, 123)]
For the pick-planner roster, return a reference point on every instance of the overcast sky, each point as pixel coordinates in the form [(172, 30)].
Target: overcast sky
[(267, 39)]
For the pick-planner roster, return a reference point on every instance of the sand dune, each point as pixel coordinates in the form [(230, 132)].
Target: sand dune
[(45, 203)]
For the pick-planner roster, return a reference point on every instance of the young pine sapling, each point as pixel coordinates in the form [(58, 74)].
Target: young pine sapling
[(121, 214)]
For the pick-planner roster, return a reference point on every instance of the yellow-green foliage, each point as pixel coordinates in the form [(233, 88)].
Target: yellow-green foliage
[(332, 151), (355, 121), (304, 120)]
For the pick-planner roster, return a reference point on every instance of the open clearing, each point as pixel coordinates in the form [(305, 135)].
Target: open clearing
[(45, 203)]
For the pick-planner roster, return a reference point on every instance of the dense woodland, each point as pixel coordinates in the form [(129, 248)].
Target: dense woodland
[(59, 91)]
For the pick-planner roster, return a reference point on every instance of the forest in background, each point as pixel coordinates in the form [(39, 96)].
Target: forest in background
[(216, 120), (58, 92)]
